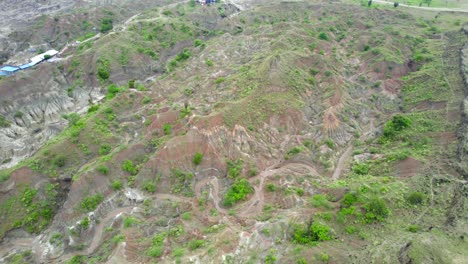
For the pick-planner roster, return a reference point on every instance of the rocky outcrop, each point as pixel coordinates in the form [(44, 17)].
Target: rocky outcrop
[(34, 102)]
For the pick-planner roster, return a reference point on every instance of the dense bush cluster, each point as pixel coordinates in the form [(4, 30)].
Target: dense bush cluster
[(238, 191), (312, 233)]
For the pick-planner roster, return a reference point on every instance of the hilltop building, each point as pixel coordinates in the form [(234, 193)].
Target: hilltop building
[(8, 70)]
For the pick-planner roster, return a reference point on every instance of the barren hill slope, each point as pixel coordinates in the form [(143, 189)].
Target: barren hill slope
[(285, 132)]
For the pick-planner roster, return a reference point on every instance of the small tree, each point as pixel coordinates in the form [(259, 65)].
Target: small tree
[(197, 158)]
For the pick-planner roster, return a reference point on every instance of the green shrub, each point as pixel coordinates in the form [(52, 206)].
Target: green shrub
[(90, 203), (103, 169), (300, 191), (72, 118), (413, 228), (324, 257), (59, 161), (131, 84), (103, 73), (129, 221), (197, 42), (197, 158), (271, 187), (183, 56), (167, 129), (349, 199), (319, 200), (416, 198), (209, 63), (186, 111), (167, 12), (129, 167), (330, 143), (187, 216), (253, 171), (157, 246), (296, 150), (188, 91), (112, 90), (350, 229), (146, 100), (312, 233), (361, 168), (195, 244), (18, 114), (56, 239), (105, 149), (234, 168), (93, 108), (323, 36), (149, 186), (376, 210), (220, 80), (4, 175), (397, 124), (106, 25), (238, 191), (270, 257), (117, 185)]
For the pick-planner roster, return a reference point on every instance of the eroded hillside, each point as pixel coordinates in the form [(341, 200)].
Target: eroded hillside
[(286, 132)]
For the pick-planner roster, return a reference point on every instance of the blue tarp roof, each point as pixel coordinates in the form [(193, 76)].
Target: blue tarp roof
[(9, 69), (4, 73), (27, 65)]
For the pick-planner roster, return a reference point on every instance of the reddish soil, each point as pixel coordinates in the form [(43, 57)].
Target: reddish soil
[(444, 138), (429, 105), (392, 86), (408, 167)]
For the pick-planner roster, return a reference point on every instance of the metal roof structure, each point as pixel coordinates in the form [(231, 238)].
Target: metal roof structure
[(9, 69), (36, 59), (25, 66)]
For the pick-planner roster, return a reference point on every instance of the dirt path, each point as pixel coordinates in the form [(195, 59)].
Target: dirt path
[(437, 9), (341, 163)]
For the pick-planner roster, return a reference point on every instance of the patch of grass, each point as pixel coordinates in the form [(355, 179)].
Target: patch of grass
[(129, 221), (181, 182), (234, 168), (103, 169), (196, 244), (129, 167), (187, 216), (90, 203), (106, 25), (105, 149), (167, 129), (271, 187), (376, 210), (149, 186), (237, 192), (361, 168), (311, 233), (157, 246), (117, 185), (319, 200)]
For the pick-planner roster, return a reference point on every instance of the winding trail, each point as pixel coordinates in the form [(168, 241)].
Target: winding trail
[(437, 9), (341, 163)]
